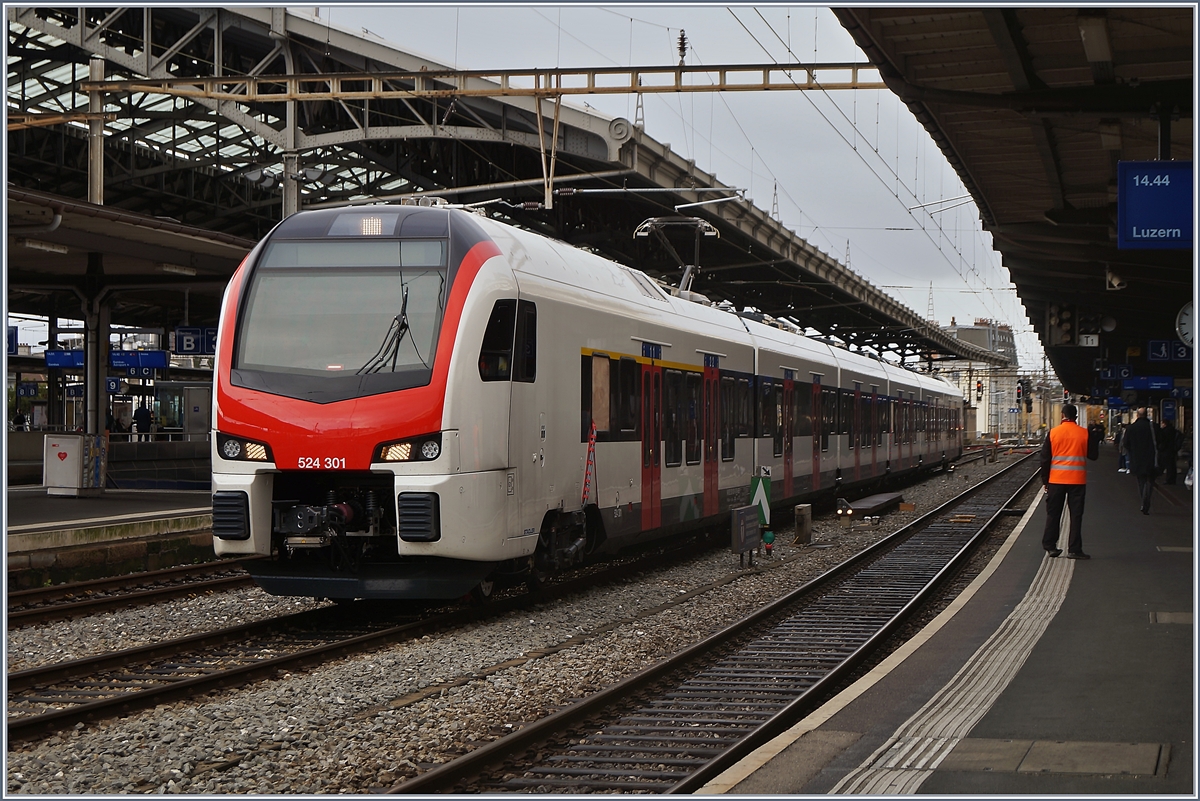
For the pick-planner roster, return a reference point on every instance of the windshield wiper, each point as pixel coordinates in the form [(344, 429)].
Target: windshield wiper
[(390, 349)]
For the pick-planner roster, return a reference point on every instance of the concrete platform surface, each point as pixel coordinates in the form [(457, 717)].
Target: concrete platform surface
[(30, 507), (1050, 676)]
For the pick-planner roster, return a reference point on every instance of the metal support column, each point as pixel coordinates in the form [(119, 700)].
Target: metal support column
[(1164, 132), (96, 135), (291, 184)]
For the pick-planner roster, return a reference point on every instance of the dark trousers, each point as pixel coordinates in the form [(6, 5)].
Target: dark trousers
[(1145, 489), (1167, 460), (1072, 495)]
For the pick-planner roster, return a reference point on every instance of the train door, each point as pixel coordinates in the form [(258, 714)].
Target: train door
[(856, 431), (875, 429), (528, 426), (651, 446), (711, 445), (788, 433), (819, 431)]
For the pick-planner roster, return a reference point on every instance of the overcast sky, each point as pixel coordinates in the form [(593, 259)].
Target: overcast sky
[(846, 168)]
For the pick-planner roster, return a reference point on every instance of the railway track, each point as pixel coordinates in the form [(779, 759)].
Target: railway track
[(58, 602), (51, 698), (678, 724), (54, 697)]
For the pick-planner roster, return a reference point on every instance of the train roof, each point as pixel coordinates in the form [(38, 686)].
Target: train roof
[(594, 273)]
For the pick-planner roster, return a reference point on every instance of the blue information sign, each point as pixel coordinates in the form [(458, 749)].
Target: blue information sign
[(1180, 352), (12, 340), (1159, 350), (124, 359), (189, 341), (64, 358), (1154, 205), (112, 385), (195, 341), (27, 389), (1168, 408)]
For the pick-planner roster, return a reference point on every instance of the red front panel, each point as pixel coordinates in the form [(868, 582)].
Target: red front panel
[(343, 434), (651, 446)]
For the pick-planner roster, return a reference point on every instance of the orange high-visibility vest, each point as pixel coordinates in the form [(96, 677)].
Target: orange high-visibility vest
[(1068, 454)]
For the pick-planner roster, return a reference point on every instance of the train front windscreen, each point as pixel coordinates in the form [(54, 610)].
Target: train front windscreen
[(333, 319)]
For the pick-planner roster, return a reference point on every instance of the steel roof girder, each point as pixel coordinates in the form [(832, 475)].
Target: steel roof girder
[(79, 37)]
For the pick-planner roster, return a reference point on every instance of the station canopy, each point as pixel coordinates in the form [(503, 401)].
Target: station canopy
[(215, 166), (1035, 107)]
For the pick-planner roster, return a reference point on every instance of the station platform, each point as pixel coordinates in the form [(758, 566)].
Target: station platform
[(59, 538), (1048, 676)]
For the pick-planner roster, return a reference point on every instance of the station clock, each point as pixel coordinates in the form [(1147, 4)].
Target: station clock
[(1185, 324)]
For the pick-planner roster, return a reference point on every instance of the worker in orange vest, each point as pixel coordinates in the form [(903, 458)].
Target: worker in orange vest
[(1064, 480)]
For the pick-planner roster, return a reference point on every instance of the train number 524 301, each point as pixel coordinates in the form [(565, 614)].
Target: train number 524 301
[(319, 463)]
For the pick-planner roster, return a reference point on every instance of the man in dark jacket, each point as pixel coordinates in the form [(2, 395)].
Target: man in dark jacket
[(143, 419), (1142, 447), (1170, 440)]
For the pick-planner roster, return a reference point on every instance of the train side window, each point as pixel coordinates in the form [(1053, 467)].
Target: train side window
[(881, 418), (525, 351), (692, 383), (601, 411), (673, 424), (728, 422), (766, 408), (745, 405), (829, 415), (495, 355), (865, 407), (777, 413), (625, 395), (846, 414), (802, 400)]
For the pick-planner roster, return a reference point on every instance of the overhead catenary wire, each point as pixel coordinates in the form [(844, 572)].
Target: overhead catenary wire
[(851, 144)]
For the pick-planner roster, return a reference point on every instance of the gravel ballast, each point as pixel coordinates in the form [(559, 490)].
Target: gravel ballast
[(367, 721)]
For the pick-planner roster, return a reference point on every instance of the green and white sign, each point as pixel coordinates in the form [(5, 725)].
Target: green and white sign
[(760, 496)]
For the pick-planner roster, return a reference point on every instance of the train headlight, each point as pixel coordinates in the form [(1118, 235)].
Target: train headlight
[(239, 449), (414, 449), (400, 452)]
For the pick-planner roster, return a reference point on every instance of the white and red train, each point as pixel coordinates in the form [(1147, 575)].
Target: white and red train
[(413, 401)]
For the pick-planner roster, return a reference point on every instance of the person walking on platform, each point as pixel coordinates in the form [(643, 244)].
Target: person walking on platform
[(1142, 447), (1122, 457), (1064, 480), (142, 420), (1170, 440)]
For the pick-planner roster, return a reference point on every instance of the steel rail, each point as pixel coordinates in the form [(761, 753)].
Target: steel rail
[(33, 726), (444, 777), (42, 604), (810, 699)]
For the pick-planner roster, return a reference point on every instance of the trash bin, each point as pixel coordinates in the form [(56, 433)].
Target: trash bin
[(74, 464)]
